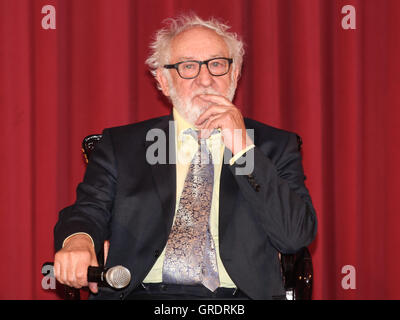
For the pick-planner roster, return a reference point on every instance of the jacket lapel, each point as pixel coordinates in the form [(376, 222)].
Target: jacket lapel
[(229, 193), (228, 196)]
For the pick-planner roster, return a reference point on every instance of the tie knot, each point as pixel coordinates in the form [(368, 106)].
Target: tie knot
[(196, 134), (192, 132)]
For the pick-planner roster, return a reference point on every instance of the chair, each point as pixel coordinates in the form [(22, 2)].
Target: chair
[(297, 269), (297, 273)]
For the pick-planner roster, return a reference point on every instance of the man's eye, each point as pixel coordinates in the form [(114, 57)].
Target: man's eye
[(216, 64), (189, 66)]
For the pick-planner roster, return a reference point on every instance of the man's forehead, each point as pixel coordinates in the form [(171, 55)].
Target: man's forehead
[(198, 42), (186, 57)]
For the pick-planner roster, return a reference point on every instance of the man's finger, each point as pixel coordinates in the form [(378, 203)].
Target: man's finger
[(63, 273), (217, 99), (211, 111), (71, 275), (215, 123), (56, 270), (93, 287)]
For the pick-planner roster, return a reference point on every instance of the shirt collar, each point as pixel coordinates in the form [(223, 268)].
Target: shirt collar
[(184, 141), (181, 123)]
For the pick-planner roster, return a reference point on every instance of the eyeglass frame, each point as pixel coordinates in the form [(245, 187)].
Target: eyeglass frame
[(200, 63)]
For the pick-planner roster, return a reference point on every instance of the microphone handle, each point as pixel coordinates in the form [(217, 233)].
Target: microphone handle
[(97, 274)]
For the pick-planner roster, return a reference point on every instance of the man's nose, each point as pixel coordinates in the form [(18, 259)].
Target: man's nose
[(204, 78)]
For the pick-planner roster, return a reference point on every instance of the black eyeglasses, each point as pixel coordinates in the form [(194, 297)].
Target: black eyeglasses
[(191, 69)]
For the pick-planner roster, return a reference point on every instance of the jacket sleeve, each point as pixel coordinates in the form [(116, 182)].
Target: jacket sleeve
[(91, 212), (278, 196)]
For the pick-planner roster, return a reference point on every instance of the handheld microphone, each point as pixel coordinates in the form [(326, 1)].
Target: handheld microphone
[(116, 277)]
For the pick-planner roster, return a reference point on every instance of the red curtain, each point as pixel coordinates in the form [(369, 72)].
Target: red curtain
[(337, 88)]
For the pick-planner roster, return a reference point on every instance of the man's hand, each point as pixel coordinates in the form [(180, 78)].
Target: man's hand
[(222, 114), (72, 261)]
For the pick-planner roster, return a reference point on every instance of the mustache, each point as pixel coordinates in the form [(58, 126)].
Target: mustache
[(198, 92)]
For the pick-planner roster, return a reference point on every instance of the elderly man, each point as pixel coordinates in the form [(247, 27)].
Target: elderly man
[(197, 229)]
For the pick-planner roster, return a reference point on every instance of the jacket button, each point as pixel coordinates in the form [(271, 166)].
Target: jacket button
[(157, 253), (121, 296)]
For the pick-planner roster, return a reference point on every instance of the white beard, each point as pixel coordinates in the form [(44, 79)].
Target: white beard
[(190, 110)]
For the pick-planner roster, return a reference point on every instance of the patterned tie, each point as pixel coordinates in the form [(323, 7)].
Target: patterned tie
[(190, 256)]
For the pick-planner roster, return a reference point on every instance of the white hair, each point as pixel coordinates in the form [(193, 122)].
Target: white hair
[(160, 47)]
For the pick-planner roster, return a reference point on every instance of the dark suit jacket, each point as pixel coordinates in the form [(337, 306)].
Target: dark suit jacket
[(132, 203)]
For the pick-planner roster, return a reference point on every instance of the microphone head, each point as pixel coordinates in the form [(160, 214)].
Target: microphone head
[(118, 277)]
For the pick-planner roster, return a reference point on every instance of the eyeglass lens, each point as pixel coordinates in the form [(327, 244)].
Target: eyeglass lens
[(216, 67)]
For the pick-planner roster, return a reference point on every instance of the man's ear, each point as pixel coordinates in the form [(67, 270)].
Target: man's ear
[(162, 81), (236, 75)]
